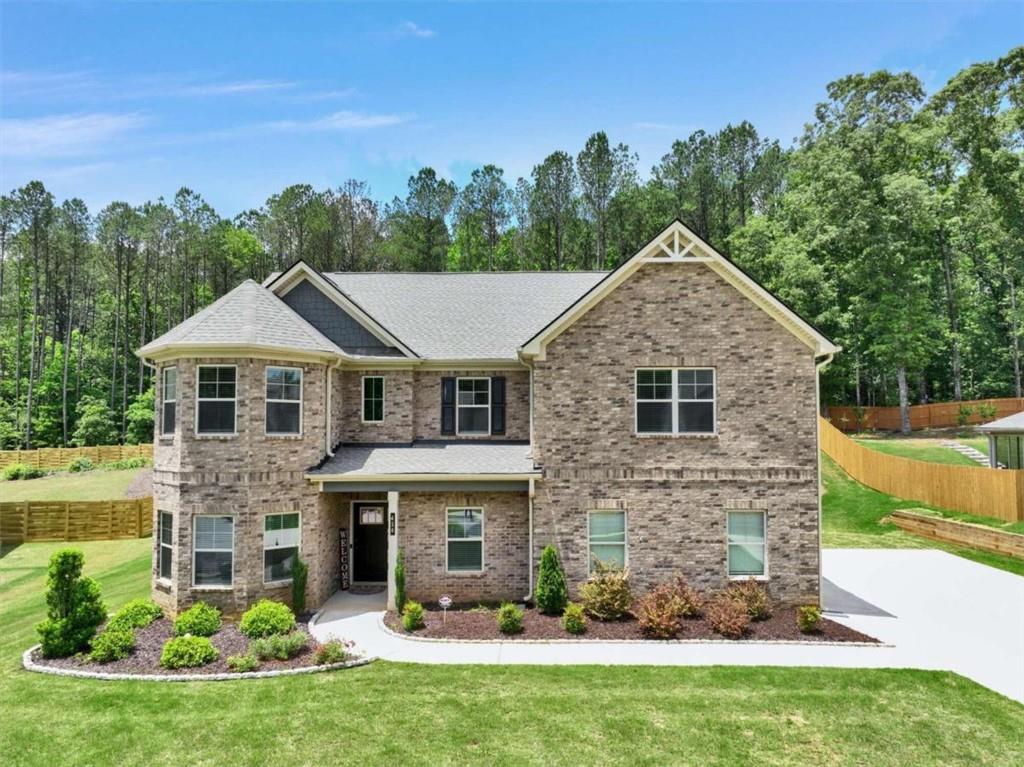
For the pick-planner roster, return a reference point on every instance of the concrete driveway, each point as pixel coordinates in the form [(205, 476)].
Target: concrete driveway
[(933, 610)]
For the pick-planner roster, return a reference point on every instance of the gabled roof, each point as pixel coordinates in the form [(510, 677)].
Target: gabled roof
[(678, 244), (249, 316), (428, 459), (1011, 424)]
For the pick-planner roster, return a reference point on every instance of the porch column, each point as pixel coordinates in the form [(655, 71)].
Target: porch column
[(993, 461), (392, 545)]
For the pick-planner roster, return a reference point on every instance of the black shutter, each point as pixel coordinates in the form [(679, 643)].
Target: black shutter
[(447, 405), (498, 405)]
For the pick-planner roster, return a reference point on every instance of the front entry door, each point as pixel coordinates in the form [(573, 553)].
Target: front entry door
[(369, 542)]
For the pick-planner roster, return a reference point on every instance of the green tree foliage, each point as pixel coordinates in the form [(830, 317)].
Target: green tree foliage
[(95, 423), (140, 418)]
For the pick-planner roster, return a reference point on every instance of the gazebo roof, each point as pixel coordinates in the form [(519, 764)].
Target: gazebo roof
[(1012, 424)]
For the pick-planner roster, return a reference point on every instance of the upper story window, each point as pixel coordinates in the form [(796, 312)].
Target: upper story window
[(169, 393), (284, 400), (473, 406), (675, 401), (215, 399), (373, 399)]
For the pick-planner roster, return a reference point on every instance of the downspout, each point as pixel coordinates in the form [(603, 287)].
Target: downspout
[(818, 367), (327, 426), (529, 528)]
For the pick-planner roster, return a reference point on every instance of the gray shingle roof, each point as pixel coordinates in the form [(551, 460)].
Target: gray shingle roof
[(1011, 424), (469, 315), (249, 314), (429, 458)]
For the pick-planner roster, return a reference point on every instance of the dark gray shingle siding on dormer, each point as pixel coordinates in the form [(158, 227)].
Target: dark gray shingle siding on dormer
[(330, 319)]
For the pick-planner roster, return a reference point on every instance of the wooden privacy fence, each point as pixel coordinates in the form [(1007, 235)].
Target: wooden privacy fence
[(59, 457), (28, 521), (988, 492), (935, 416)]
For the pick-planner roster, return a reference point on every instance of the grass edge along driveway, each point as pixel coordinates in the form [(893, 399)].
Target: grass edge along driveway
[(411, 714)]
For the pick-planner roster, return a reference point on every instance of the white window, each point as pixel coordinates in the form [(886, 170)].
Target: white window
[(746, 544), (165, 546), (473, 402), (215, 400), (213, 550), (465, 540), (284, 401), (169, 392), (373, 399), (675, 401), (280, 546), (606, 538)]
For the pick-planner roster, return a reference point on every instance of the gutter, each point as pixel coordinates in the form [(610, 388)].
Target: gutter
[(529, 547), (327, 425)]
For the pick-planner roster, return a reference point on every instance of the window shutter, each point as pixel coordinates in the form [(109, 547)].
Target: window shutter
[(498, 405), (447, 405)]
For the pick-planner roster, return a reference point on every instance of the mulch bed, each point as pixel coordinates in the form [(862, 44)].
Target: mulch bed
[(149, 642), (480, 623)]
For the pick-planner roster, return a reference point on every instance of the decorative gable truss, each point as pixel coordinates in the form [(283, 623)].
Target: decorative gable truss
[(678, 244)]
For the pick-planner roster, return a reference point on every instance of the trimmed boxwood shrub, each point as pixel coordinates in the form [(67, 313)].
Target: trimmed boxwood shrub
[(808, 618), (279, 646), (552, 592), (573, 619), (112, 644), (754, 598), (727, 617), (606, 595), (267, 617), (241, 663), (136, 614), (412, 616), (75, 608), (510, 618), (188, 652), (201, 620)]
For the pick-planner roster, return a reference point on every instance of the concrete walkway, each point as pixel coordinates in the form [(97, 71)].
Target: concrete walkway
[(938, 611)]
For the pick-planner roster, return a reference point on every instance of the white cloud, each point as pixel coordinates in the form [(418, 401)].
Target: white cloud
[(232, 88), (337, 121), (412, 29), (64, 135)]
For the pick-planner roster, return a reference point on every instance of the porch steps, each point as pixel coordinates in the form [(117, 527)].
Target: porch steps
[(967, 451)]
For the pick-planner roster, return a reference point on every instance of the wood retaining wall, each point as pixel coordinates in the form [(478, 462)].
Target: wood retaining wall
[(963, 533)]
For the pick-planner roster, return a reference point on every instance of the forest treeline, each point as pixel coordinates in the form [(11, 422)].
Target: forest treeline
[(895, 223)]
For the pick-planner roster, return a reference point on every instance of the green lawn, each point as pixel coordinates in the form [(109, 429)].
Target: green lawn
[(390, 713), (921, 449), (95, 485), (852, 517), (978, 443)]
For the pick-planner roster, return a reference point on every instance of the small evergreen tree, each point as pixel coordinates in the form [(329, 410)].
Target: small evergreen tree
[(140, 415), (74, 607), (552, 592), (400, 582), (95, 423), (300, 574)]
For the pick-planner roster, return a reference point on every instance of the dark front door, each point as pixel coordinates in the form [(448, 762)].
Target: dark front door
[(369, 542)]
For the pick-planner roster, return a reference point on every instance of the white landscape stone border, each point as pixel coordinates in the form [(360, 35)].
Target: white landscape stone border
[(756, 642), (41, 668)]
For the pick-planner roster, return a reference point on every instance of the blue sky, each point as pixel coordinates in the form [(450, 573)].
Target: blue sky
[(130, 102)]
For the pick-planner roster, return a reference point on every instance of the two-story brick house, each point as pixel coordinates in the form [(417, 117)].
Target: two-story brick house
[(661, 416)]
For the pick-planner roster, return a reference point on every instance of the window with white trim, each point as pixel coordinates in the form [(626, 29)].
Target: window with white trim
[(215, 399), (169, 394), (165, 545), (373, 399), (606, 538), (675, 401), (284, 401), (280, 546), (473, 405), (213, 550), (465, 540), (746, 535)]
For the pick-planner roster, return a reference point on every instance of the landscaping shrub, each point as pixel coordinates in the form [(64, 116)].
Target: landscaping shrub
[(300, 576), (112, 644), (606, 595), (963, 415), (400, 581), (659, 611), (727, 617), (188, 652), (279, 646), (691, 603), (22, 471), (242, 663), (82, 463), (573, 619), (201, 620), (987, 411), (267, 617), (75, 608), (412, 616), (126, 463), (552, 591), (136, 614), (510, 618), (754, 598), (332, 651), (808, 618)]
